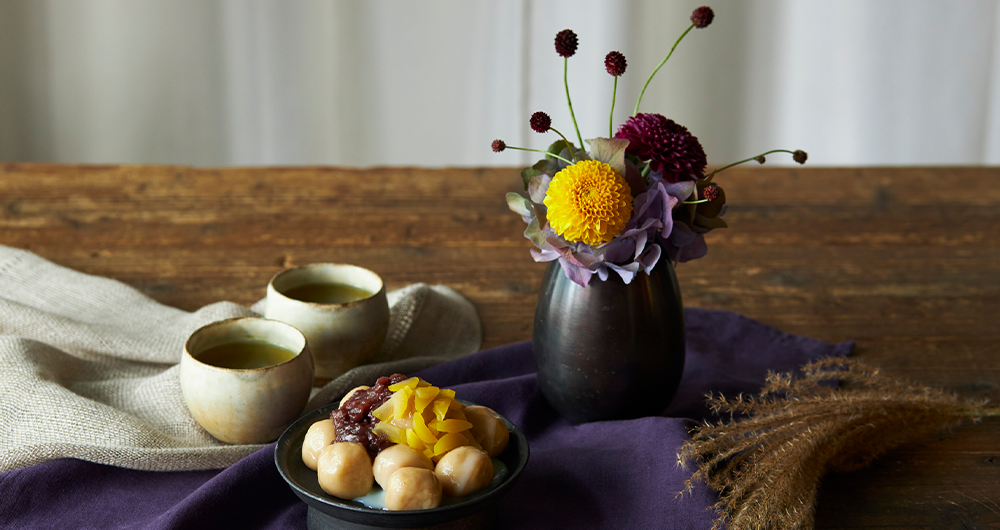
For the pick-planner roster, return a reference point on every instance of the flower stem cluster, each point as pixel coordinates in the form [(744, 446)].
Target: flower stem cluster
[(637, 195)]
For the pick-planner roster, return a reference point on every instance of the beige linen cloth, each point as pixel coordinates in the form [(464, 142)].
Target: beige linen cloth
[(89, 366)]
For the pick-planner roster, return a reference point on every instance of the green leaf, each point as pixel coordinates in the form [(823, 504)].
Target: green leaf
[(534, 233), (549, 166), (611, 151), (537, 188), (558, 146), (520, 206), (527, 174)]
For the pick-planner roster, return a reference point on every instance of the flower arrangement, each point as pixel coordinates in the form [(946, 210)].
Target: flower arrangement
[(636, 195)]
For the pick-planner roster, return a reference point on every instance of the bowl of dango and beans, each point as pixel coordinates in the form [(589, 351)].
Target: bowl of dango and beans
[(401, 453)]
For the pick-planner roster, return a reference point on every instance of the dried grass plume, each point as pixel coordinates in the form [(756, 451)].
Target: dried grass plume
[(767, 460)]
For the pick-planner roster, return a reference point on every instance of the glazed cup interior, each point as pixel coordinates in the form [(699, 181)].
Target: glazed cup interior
[(352, 275)]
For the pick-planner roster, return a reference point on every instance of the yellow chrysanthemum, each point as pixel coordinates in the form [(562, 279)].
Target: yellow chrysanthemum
[(588, 201)]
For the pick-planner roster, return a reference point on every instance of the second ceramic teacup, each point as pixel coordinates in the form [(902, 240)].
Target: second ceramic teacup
[(246, 379), (341, 309)]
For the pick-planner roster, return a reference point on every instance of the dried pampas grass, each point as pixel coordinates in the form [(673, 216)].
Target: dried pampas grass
[(767, 460)]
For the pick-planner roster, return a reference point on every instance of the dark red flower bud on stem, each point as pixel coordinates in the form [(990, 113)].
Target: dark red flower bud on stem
[(566, 43), (702, 17), (540, 122), (614, 63)]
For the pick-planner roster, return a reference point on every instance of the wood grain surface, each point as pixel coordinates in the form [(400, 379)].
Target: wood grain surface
[(905, 261)]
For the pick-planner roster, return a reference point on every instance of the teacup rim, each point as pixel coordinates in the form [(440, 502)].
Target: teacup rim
[(271, 287), (304, 350)]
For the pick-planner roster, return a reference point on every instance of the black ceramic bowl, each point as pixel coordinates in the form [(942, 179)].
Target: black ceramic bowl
[(477, 510)]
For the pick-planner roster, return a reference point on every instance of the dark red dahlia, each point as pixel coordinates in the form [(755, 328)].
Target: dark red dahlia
[(702, 17), (498, 146), (668, 146), (566, 43), (615, 63), (540, 122)]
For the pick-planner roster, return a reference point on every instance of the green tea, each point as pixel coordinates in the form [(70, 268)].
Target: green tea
[(245, 355), (327, 293)]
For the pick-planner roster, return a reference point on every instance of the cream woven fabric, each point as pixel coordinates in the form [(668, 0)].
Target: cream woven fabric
[(88, 366)]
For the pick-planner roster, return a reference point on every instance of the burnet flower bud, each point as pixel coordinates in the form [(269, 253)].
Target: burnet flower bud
[(702, 17), (566, 43), (614, 63), (540, 122)]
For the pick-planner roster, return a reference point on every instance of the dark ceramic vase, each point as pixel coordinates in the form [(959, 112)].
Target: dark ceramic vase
[(609, 351)]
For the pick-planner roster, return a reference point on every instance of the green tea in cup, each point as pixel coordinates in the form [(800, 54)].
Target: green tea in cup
[(246, 379), (246, 355), (328, 293)]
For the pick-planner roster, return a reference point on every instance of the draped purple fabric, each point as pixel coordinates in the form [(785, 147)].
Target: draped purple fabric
[(617, 474)]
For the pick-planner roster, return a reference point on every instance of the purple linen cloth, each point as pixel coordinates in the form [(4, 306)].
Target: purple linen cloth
[(619, 474)]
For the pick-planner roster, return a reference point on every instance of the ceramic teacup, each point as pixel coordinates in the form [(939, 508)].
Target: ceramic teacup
[(246, 405), (343, 331)]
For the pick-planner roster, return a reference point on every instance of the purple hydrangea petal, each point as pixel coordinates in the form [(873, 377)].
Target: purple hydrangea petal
[(544, 255), (657, 204), (696, 249), (578, 275), (627, 272), (601, 269), (619, 249), (680, 190), (650, 258)]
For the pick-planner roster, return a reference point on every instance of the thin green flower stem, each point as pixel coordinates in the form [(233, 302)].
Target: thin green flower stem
[(570, 102), (636, 111), (611, 121), (709, 177), (572, 151), (695, 202), (540, 151)]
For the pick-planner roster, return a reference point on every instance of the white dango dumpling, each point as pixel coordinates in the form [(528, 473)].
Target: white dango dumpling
[(319, 435), (351, 393), (396, 457), (344, 470), (464, 470), (412, 488), (488, 428)]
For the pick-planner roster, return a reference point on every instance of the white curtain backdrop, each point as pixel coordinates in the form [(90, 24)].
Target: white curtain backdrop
[(432, 83)]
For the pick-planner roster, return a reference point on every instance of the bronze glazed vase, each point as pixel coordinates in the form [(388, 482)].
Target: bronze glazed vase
[(609, 351)]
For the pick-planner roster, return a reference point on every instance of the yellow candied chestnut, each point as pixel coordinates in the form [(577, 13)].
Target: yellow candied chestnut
[(344, 470), (319, 435), (351, 393), (413, 488), (488, 428), (464, 470), (396, 457)]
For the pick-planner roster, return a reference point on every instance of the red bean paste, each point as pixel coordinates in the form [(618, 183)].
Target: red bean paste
[(353, 421)]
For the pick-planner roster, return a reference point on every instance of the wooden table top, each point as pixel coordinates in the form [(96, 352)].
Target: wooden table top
[(905, 261)]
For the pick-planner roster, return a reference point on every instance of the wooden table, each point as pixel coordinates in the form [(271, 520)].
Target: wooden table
[(906, 261)]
